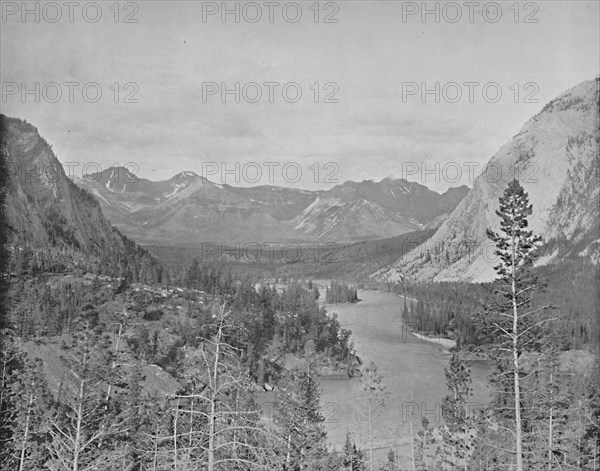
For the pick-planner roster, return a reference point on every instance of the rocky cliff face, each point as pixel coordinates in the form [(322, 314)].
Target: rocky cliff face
[(45, 210), (555, 157)]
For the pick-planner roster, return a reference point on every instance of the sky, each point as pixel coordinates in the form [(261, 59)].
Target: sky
[(361, 68)]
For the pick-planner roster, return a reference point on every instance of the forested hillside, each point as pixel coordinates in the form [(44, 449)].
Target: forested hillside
[(455, 309), (350, 262), (111, 361)]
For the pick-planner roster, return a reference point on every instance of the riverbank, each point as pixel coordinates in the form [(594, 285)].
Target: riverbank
[(328, 367), (471, 354), (449, 345), (444, 342)]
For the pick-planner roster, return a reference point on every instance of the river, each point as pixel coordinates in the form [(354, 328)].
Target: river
[(412, 371)]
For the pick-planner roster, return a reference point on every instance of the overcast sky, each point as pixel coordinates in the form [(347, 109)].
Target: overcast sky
[(369, 57)]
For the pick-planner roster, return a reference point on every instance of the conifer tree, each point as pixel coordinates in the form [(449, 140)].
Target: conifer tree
[(391, 463), (589, 445), (23, 402), (29, 426), (518, 327), (405, 315), (9, 364), (353, 458), (297, 414), (547, 406), (457, 412), (81, 424), (134, 408)]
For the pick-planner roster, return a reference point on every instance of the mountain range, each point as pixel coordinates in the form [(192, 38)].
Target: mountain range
[(555, 157), (188, 209)]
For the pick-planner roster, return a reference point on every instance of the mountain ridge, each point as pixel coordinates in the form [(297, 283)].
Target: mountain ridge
[(189, 207)]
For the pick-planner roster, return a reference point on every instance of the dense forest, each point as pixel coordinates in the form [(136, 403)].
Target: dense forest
[(349, 262), (341, 293), (87, 345), (454, 309)]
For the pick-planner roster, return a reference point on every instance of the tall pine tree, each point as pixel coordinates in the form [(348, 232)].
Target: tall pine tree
[(518, 326)]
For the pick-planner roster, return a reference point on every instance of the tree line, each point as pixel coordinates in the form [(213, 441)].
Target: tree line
[(452, 309), (338, 292)]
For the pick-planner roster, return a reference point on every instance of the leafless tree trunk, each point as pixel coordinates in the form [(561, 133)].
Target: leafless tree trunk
[(516, 370), (225, 426), (550, 432), (26, 433), (114, 362)]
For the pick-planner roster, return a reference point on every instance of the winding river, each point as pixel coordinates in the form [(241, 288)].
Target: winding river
[(412, 371)]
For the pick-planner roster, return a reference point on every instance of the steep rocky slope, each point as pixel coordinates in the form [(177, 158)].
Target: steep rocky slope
[(46, 211), (373, 210), (555, 157)]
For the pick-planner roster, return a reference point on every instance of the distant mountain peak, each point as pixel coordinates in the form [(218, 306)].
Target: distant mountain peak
[(392, 177), (115, 179), (457, 189), (185, 174), (114, 174)]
